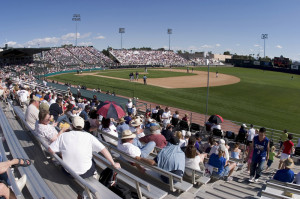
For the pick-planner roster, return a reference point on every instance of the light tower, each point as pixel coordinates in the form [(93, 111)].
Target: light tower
[(264, 37), (121, 31), (76, 17), (170, 31)]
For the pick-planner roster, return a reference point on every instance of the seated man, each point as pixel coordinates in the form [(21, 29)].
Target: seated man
[(45, 130), (218, 161), (286, 174), (32, 112), (155, 136), (133, 147), (80, 158), (171, 158)]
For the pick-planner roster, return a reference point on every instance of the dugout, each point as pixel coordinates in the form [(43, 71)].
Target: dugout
[(19, 56)]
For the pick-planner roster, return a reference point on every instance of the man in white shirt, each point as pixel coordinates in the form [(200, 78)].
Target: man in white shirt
[(251, 134), (32, 112), (166, 116), (77, 149), (129, 106), (23, 95)]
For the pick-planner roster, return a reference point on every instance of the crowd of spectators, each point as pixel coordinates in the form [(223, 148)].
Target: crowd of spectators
[(148, 57), (202, 61)]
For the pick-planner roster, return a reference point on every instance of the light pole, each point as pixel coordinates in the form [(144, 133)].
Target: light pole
[(76, 17), (207, 94), (169, 33), (121, 31), (264, 37)]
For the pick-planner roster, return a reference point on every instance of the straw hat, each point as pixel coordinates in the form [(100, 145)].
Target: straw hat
[(136, 122), (127, 134)]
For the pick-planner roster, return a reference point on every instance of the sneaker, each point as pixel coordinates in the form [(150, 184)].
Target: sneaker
[(251, 179), (256, 180), (228, 179), (21, 182)]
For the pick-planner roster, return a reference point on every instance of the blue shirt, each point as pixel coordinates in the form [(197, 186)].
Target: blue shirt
[(217, 162), (84, 115), (260, 149), (284, 175), (122, 127)]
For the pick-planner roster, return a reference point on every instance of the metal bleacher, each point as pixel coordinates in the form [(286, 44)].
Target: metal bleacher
[(89, 94)]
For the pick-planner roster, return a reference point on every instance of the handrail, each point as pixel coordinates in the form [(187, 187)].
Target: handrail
[(154, 168), (139, 182), (10, 174), (76, 176), (36, 185)]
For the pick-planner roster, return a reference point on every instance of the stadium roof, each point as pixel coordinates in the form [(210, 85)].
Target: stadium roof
[(16, 52)]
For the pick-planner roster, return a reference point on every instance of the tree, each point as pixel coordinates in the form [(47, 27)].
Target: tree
[(226, 53)]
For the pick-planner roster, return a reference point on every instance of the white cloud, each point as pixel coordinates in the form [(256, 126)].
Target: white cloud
[(70, 36), (251, 50), (278, 46), (43, 41), (85, 44), (85, 35), (206, 46), (256, 45), (11, 43), (99, 37), (218, 45)]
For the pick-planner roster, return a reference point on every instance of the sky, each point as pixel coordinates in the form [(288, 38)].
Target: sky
[(198, 25)]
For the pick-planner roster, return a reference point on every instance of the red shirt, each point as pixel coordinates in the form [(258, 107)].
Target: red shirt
[(159, 139), (287, 147)]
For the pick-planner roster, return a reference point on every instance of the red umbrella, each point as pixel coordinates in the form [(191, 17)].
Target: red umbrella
[(217, 119), (111, 110)]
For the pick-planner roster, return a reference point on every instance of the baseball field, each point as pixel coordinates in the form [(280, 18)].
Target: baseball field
[(264, 98)]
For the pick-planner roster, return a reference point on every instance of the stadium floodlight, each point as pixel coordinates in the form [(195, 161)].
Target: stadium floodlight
[(170, 31), (76, 18), (264, 37), (121, 31)]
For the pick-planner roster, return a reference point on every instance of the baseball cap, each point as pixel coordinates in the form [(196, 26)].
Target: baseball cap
[(78, 122)]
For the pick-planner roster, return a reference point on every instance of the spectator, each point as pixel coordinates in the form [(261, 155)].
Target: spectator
[(155, 136), (283, 137), (242, 134), (236, 152), (218, 161), (79, 159), (128, 118), (84, 114), (166, 116), (287, 148), (260, 147), (129, 106), (192, 158), (44, 105), (285, 174), (107, 127), (271, 157), (179, 136), (57, 111), (250, 135), (32, 112), (167, 132), (45, 130), (171, 158), (175, 118), (122, 127)]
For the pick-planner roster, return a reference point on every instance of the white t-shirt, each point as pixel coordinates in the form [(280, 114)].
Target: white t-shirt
[(129, 105), (192, 163), (251, 134), (166, 115), (129, 149), (216, 126), (109, 131), (77, 149), (23, 95), (46, 132), (32, 115)]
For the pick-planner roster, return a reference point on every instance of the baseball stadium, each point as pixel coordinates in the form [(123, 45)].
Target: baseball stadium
[(78, 121)]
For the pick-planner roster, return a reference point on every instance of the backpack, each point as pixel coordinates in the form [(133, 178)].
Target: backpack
[(229, 135)]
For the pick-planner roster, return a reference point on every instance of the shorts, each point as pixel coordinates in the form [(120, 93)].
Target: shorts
[(269, 163), (284, 156), (225, 172)]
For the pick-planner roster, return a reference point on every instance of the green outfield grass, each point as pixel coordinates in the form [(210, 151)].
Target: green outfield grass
[(263, 98), (150, 73)]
